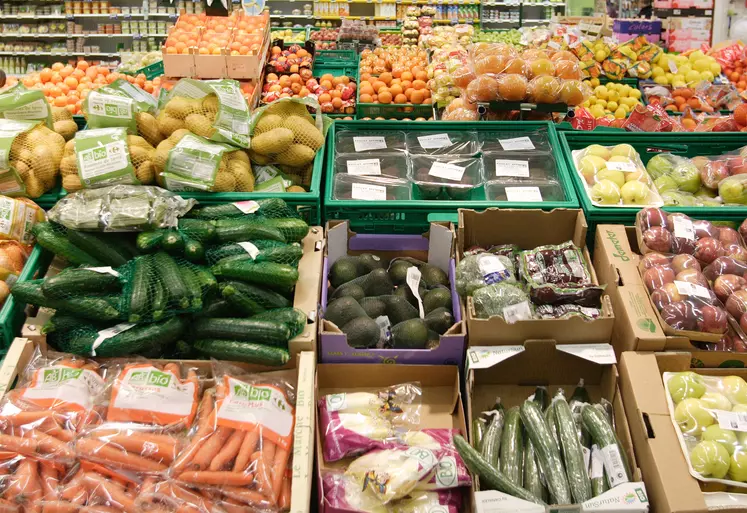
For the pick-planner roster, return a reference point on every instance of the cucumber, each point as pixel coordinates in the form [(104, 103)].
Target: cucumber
[(148, 242), (240, 298), (263, 332), (99, 247), (62, 323), (489, 475), (197, 229), (294, 230), (294, 318), (573, 456), (194, 251), (550, 421), (234, 230), (173, 243), (548, 454), (491, 443), (88, 307), (218, 307), (74, 281), (578, 399), (597, 473), (542, 397), (512, 448), (158, 308), (183, 351), (193, 286), (205, 278), (218, 253), (267, 299), (171, 277), (289, 254), (533, 479), (580, 394), (245, 352), (51, 239), (602, 434), (140, 289), (267, 208), (143, 337), (478, 432), (275, 276)]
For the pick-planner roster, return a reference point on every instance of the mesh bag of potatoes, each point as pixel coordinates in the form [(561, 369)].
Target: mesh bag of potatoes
[(188, 162), (17, 102), (106, 156), (64, 124), (30, 155), (213, 109), (121, 104)]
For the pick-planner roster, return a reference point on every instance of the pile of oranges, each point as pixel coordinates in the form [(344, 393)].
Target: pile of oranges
[(214, 35), (66, 85), (394, 75)]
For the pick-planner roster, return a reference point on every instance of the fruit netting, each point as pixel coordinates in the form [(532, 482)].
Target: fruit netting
[(31, 158), (64, 124), (271, 208), (257, 250)]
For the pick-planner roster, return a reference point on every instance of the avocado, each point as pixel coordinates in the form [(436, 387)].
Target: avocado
[(343, 310), (374, 306), (349, 289), (377, 283), (362, 332), (398, 309), (439, 320), (368, 262), (433, 276), (436, 298), (404, 292), (411, 334), (343, 271), (398, 271)]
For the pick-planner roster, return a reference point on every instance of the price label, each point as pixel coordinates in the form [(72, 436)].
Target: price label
[(103, 270), (683, 228), (553, 45), (435, 141), (625, 167), (692, 289), (672, 66), (247, 207), (517, 143), (517, 312), (250, 248), (364, 167), (516, 168), (108, 333), (369, 143), (528, 194), (368, 192), (492, 269), (676, 12), (413, 282), (731, 420), (447, 171), (613, 464)]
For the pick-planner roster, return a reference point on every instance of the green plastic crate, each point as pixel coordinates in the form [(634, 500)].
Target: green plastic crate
[(391, 110), (413, 216), (337, 69), (647, 145), (632, 82), (80, 120), (333, 56), (13, 313)]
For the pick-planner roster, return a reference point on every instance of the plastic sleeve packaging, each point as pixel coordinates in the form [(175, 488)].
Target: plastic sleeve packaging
[(89, 485), (497, 298), (450, 471), (562, 264), (479, 270)]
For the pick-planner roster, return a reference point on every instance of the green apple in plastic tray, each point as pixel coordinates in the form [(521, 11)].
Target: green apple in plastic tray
[(659, 166), (727, 438), (684, 385), (693, 416), (710, 459), (734, 189)]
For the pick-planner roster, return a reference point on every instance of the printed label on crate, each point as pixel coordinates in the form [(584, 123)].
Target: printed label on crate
[(524, 194), (364, 167), (613, 464), (517, 312), (435, 141), (683, 228), (692, 289), (413, 282), (516, 143), (103, 157), (369, 143), (11, 182), (60, 387), (486, 357), (515, 168), (625, 167), (732, 420), (447, 171), (249, 248), (603, 354), (368, 192)]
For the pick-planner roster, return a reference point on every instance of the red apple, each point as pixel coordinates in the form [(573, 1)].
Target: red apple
[(658, 238), (743, 229), (705, 229), (665, 295), (657, 277), (708, 249), (726, 284), (652, 216), (679, 315), (736, 251), (651, 259), (684, 261), (712, 319), (727, 235), (736, 305), (681, 245), (692, 276)]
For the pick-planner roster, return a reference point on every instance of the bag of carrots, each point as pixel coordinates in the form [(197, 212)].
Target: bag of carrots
[(151, 408), (56, 397), (242, 442)]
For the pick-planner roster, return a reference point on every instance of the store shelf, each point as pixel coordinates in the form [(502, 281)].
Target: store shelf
[(284, 16), (31, 17), (365, 18), (27, 17), (544, 4), (61, 54), (500, 4), (63, 36), (460, 20), (665, 13), (536, 21), (499, 21)]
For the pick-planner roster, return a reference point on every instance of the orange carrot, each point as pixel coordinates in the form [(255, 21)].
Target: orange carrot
[(247, 448), (50, 444), (32, 491), (247, 496), (25, 446), (206, 418), (233, 506), (24, 418), (73, 491), (193, 378), (112, 455), (279, 464), (61, 434), (264, 469), (187, 508), (210, 448), (92, 367), (8, 507), (161, 439), (60, 507), (229, 451), (17, 490), (173, 367), (284, 501), (139, 444), (110, 490), (186, 495), (49, 481), (216, 478), (71, 362), (98, 509)]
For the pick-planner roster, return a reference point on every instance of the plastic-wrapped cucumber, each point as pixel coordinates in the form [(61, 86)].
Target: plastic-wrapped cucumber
[(490, 448), (573, 456), (533, 479), (512, 448), (597, 473), (604, 436)]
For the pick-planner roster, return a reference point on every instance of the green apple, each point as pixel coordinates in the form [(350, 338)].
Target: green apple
[(715, 401), (639, 175), (741, 435), (597, 150), (684, 385), (710, 459), (634, 193), (735, 388), (606, 192), (665, 183), (716, 433), (616, 176), (624, 150), (590, 165), (692, 416), (738, 465)]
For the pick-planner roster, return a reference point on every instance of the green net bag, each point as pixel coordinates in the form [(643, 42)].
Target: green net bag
[(257, 250), (271, 208)]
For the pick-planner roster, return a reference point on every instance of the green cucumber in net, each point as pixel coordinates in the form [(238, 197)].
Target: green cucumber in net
[(98, 247), (246, 352), (171, 277), (140, 289), (294, 230), (77, 281), (89, 307), (148, 242), (197, 229), (236, 230), (55, 241), (280, 277), (250, 330), (294, 318)]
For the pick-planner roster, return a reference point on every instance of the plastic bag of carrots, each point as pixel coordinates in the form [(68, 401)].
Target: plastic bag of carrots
[(56, 397), (241, 444), (151, 408), (87, 488)]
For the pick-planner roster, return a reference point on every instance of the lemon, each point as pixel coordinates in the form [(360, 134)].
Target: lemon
[(715, 68), (594, 82), (612, 106), (635, 93), (661, 80), (597, 111), (601, 92), (620, 113), (601, 103), (707, 76), (657, 71)]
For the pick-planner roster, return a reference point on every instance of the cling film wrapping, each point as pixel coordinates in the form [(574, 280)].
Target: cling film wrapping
[(19, 103)]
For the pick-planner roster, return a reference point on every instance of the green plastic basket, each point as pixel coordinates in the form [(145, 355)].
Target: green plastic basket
[(632, 82), (80, 120), (647, 145), (333, 56), (13, 313), (413, 216), (337, 69)]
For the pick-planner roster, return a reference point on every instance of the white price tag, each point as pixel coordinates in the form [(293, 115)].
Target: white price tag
[(413, 281), (517, 143), (247, 207), (435, 141), (103, 270), (731, 420), (108, 333), (492, 269), (447, 171), (528, 194), (625, 167), (692, 289), (613, 464), (672, 66), (250, 248), (517, 312), (683, 228), (385, 327), (597, 463), (516, 168), (369, 143), (364, 167), (603, 354), (554, 45), (368, 192)]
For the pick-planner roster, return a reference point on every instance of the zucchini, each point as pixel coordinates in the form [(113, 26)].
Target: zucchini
[(197, 229), (263, 332), (218, 307), (74, 281), (491, 443), (140, 289), (158, 308), (276, 276), (240, 299), (194, 251), (143, 337), (533, 479), (489, 475), (148, 242), (267, 208), (573, 456), (98, 247), (173, 242), (235, 230), (602, 434), (245, 352), (267, 299), (218, 253), (206, 278), (548, 454), (63, 323), (171, 277), (294, 230), (49, 238), (194, 289), (88, 307), (294, 318), (512, 448)]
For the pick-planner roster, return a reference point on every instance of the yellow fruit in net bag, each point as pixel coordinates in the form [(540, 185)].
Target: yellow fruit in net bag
[(177, 136), (240, 156), (145, 173), (168, 124), (304, 132), (224, 182), (267, 122), (259, 159)]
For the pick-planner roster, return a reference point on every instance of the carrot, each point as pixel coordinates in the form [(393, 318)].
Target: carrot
[(25, 418), (50, 444), (247, 448), (49, 481), (264, 468), (247, 496), (158, 438), (74, 491), (60, 507), (92, 367), (216, 478), (234, 506), (210, 448), (229, 451), (279, 465), (173, 367), (27, 489), (284, 501), (205, 420), (61, 434), (112, 455), (98, 509), (189, 496), (110, 490), (25, 446), (7, 507), (139, 444), (70, 362)]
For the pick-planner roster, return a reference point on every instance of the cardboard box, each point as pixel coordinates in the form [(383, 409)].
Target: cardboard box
[(305, 298), (512, 373), (665, 470), (302, 375), (248, 66), (435, 247), (441, 404), (529, 229), (179, 65)]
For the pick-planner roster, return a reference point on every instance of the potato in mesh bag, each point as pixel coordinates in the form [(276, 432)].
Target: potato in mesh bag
[(33, 157), (64, 123)]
